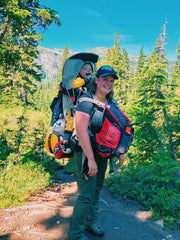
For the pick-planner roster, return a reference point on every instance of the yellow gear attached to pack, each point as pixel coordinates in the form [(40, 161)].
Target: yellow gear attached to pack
[(78, 82), (69, 120), (51, 141)]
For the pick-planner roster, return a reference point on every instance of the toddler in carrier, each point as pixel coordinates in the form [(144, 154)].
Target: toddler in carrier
[(81, 81), (76, 79)]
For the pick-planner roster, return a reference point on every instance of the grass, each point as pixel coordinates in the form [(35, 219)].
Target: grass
[(18, 182)]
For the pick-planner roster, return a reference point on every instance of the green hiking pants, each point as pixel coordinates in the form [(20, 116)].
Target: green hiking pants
[(86, 206)]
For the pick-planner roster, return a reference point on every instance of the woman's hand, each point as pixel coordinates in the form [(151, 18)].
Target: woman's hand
[(121, 159), (92, 168)]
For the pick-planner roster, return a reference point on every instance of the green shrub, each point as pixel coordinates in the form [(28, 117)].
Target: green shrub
[(18, 182), (22, 132), (25, 165), (155, 185)]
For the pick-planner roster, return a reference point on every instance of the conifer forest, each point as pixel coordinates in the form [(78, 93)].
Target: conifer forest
[(149, 94)]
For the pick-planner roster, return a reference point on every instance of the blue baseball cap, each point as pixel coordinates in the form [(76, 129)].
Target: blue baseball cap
[(105, 71)]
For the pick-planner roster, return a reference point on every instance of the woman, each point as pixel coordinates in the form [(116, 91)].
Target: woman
[(85, 214)]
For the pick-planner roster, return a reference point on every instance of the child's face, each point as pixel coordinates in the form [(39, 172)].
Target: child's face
[(86, 71)]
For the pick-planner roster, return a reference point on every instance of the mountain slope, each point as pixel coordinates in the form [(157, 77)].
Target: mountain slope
[(50, 59)]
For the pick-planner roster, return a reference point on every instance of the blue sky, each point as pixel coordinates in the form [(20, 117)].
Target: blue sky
[(90, 24)]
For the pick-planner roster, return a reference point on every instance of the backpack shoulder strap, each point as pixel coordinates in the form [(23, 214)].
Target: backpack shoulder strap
[(92, 100), (113, 101)]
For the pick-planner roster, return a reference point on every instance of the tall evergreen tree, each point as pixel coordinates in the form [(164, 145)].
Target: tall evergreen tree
[(158, 47), (140, 63), (151, 108), (138, 74), (120, 62), (126, 78), (153, 101), (21, 25), (107, 60), (64, 58), (116, 52), (114, 58)]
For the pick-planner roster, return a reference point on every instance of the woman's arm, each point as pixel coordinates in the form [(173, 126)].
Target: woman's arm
[(82, 122)]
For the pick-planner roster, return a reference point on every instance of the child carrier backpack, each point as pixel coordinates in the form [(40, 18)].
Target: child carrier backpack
[(65, 100), (111, 132)]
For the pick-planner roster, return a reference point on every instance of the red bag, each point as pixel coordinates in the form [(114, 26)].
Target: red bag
[(58, 152), (115, 135)]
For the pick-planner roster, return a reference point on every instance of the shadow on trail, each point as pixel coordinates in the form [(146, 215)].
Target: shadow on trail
[(125, 219)]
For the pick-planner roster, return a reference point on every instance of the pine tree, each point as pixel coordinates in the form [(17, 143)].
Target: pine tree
[(120, 62), (21, 25), (107, 60), (113, 58), (116, 52), (158, 47), (126, 78), (151, 108), (64, 58), (138, 75), (140, 63)]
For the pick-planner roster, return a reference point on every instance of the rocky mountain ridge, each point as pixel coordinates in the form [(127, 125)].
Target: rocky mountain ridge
[(50, 59)]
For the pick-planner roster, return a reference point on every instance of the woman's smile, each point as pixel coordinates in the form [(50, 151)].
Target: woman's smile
[(105, 83)]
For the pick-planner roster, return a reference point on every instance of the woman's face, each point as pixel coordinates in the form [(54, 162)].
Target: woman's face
[(105, 84), (86, 70)]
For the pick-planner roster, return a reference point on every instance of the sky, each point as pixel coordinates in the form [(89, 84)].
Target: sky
[(89, 24)]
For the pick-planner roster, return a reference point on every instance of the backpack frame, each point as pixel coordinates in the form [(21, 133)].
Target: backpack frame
[(67, 96)]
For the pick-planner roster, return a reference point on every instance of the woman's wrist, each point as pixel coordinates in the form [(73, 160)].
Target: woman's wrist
[(91, 158)]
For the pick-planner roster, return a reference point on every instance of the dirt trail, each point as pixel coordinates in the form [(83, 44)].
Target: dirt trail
[(46, 217)]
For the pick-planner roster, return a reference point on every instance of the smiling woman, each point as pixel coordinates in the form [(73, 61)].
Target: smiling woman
[(90, 167), (105, 78), (105, 84)]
